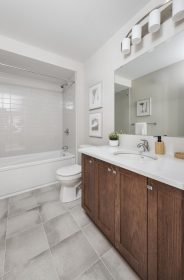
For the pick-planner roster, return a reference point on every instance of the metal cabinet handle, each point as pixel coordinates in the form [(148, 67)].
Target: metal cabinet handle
[(109, 169), (150, 188)]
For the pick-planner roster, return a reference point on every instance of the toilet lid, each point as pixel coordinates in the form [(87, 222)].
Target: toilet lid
[(69, 170)]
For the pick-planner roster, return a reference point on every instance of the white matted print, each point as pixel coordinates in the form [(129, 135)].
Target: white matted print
[(144, 107), (95, 124), (95, 96)]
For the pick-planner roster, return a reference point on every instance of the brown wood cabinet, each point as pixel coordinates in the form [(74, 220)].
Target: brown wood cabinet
[(106, 185), (165, 232), (88, 189), (131, 220), (143, 218)]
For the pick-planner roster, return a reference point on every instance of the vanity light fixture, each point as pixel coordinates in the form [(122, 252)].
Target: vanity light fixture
[(125, 45), (178, 10), (154, 21), (136, 34)]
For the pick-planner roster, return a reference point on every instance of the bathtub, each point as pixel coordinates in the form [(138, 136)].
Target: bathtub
[(23, 173)]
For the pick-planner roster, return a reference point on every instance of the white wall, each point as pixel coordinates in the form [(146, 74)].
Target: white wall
[(101, 66)]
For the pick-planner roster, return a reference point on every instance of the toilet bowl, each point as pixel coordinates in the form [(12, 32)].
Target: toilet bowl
[(70, 180)]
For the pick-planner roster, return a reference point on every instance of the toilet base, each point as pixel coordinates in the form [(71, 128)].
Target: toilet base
[(68, 194)]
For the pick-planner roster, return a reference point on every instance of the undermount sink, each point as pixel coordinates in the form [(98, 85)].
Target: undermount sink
[(134, 156)]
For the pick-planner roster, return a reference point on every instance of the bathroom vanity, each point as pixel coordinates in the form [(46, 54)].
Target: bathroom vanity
[(143, 217)]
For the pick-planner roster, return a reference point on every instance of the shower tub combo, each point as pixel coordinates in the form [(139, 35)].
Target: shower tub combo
[(23, 173)]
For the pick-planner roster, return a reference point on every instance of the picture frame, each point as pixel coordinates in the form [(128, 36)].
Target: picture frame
[(144, 107), (95, 96), (95, 125)]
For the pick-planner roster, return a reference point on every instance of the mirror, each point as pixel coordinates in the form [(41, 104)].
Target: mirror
[(149, 92)]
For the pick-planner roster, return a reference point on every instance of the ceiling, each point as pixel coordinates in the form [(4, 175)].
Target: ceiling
[(119, 87), (168, 53), (73, 28)]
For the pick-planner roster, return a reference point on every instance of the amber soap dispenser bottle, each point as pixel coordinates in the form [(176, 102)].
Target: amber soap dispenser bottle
[(159, 146)]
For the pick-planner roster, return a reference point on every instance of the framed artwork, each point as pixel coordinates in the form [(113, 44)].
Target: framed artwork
[(95, 96), (95, 125), (144, 107)]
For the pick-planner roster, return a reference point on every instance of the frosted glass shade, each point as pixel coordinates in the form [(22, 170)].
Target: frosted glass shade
[(136, 34), (178, 10), (154, 21), (126, 46)]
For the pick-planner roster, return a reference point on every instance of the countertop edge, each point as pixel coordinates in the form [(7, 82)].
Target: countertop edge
[(169, 182)]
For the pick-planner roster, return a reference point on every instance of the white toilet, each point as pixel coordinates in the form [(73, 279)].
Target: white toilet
[(70, 179)]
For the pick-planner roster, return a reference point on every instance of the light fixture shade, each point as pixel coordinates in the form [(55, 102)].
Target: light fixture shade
[(126, 45), (178, 10), (154, 21), (136, 34)]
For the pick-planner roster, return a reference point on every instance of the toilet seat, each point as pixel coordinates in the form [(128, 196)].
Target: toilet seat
[(68, 171)]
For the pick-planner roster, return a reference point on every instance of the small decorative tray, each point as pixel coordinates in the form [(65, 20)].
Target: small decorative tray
[(179, 155)]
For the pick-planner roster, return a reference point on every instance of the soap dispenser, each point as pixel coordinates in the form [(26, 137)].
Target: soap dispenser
[(159, 146)]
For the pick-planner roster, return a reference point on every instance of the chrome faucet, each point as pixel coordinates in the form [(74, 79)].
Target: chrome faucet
[(144, 145)]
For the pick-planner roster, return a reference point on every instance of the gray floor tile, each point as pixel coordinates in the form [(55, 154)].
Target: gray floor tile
[(96, 239), (2, 257), (3, 208), (119, 269), (19, 206), (73, 256), (20, 196), (2, 245), (60, 228), (3, 223), (22, 222), (25, 246), (38, 268), (80, 216), (72, 204), (42, 197), (97, 272), (51, 210)]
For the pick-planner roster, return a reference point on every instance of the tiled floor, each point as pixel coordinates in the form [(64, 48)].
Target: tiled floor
[(43, 239)]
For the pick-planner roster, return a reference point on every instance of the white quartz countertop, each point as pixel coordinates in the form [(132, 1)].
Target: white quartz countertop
[(165, 169)]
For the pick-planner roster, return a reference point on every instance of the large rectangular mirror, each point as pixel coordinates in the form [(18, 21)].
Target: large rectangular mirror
[(149, 92)]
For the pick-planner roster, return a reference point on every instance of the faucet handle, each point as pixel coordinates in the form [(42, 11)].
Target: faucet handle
[(65, 148), (146, 144)]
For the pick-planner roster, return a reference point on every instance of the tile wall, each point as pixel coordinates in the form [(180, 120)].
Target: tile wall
[(31, 117)]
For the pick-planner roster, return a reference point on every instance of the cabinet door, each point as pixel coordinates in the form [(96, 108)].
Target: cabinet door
[(166, 232), (131, 220), (88, 185), (107, 180)]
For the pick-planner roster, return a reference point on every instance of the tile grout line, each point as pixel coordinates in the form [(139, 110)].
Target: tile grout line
[(68, 210), (24, 230), (14, 235), (89, 267), (49, 249), (80, 229), (5, 249), (99, 257)]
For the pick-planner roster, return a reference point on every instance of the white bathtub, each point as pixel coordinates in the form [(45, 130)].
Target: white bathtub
[(23, 173)]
